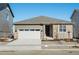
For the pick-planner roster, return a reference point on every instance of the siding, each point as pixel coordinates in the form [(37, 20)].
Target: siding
[(75, 21), (55, 31), (62, 35), (9, 21)]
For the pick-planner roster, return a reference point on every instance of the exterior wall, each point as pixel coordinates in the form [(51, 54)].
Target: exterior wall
[(56, 33), (28, 26), (1, 25), (6, 24), (6, 13), (75, 21), (17, 27), (43, 33), (62, 35)]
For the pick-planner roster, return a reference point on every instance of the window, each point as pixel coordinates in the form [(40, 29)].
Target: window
[(26, 29), (21, 29), (62, 28), (31, 29)]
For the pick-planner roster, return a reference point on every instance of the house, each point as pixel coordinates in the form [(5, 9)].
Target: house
[(75, 21), (44, 28), (6, 19)]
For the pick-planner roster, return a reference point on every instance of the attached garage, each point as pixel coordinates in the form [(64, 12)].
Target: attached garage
[(28, 37), (28, 34)]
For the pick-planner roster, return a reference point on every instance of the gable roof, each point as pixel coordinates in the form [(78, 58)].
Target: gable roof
[(4, 5), (42, 20), (75, 10)]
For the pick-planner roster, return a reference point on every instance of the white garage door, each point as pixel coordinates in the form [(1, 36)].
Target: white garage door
[(29, 34)]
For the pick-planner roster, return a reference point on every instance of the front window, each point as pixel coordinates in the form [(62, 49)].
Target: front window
[(62, 28)]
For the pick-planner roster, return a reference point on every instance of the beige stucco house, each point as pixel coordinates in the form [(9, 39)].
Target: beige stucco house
[(45, 28)]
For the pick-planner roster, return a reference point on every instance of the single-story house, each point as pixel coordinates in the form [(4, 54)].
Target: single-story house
[(44, 28)]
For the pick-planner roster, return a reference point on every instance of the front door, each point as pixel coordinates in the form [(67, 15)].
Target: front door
[(48, 30)]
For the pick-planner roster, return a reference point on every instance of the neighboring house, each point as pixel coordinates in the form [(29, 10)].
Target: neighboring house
[(44, 28), (6, 19), (75, 21)]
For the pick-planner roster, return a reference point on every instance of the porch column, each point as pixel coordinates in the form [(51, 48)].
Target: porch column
[(44, 34)]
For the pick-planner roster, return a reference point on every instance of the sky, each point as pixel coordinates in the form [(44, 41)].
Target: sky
[(24, 11)]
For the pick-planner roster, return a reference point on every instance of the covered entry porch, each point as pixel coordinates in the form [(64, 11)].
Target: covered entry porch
[(48, 32)]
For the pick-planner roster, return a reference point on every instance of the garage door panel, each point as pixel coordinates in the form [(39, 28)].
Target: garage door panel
[(29, 37), (29, 34)]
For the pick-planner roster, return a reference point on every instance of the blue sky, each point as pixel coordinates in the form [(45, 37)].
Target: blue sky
[(55, 10)]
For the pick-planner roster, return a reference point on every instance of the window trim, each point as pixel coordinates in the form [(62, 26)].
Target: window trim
[(62, 28)]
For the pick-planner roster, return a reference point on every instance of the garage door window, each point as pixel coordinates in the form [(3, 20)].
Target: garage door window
[(26, 29), (37, 29), (21, 29), (31, 29)]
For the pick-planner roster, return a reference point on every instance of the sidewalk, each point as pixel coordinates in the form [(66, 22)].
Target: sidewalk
[(59, 45)]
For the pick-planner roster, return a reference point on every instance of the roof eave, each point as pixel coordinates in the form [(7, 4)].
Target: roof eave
[(44, 24), (72, 14), (10, 10)]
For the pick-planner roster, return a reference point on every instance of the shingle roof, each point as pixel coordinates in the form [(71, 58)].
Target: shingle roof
[(42, 20)]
